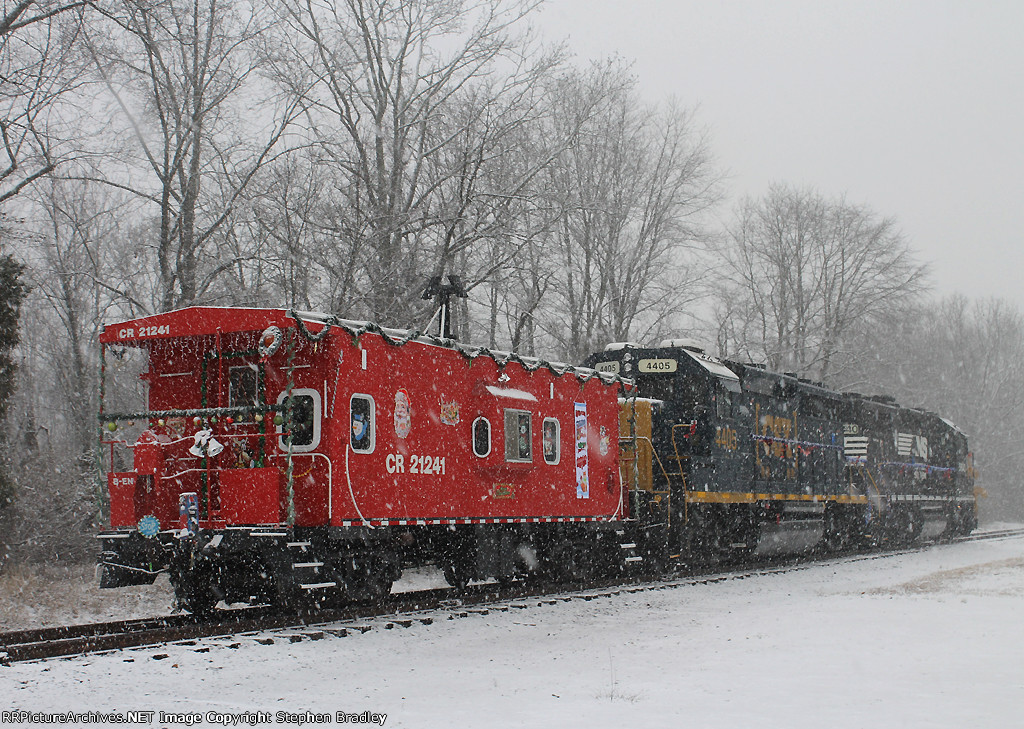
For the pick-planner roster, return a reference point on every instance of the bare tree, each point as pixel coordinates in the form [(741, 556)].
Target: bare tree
[(79, 279), (965, 359), (417, 106), (276, 240), (802, 271), (201, 120), (72, 267), (38, 67), (631, 193)]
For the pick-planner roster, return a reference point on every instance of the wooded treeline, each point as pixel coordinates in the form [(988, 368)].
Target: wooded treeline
[(335, 154)]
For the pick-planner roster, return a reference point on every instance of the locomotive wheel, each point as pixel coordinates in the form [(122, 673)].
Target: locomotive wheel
[(961, 521), (744, 537), (906, 526), (836, 535), (916, 524), (953, 522), (706, 539)]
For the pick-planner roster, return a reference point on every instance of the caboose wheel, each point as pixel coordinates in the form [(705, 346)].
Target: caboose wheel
[(457, 558), (373, 588), (368, 575), (458, 576), (193, 591), (567, 561), (199, 602)]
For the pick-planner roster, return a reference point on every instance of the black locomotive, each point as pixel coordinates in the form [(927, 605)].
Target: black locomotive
[(731, 459)]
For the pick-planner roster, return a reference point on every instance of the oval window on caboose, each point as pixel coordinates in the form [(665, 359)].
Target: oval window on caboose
[(481, 437), (361, 419), (551, 441), (302, 420)]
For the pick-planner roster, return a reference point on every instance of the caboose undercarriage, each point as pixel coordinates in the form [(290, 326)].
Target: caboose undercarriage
[(294, 567)]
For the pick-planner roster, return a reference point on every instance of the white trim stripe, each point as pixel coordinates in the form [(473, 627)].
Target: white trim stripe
[(479, 520), (936, 499)]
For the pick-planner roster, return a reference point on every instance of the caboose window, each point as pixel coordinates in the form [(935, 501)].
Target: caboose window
[(361, 418), (243, 388), (481, 437), (552, 450), (303, 421), (518, 436)]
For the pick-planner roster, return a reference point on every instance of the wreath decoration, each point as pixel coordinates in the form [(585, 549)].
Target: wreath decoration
[(270, 341)]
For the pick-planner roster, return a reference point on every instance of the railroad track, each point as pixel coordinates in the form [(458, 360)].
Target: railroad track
[(985, 536), (402, 609)]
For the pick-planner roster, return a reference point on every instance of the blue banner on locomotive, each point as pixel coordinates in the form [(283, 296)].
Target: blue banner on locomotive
[(751, 460)]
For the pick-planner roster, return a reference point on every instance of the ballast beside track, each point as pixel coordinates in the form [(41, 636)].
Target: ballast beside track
[(73, 640)]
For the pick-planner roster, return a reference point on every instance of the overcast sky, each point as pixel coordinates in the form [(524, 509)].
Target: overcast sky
[(915, 109)]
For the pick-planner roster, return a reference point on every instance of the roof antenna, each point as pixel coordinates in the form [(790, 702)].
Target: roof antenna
[(444, 293)]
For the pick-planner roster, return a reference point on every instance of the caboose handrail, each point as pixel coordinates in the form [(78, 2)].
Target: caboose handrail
[(179, 474), (664, 472), (193, 412)]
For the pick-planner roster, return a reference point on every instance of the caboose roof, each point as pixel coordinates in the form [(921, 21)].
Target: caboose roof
[(199, 321), (195, 321)]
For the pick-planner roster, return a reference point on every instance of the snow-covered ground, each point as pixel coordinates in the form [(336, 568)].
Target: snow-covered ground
[(40, 596), (928, 639)]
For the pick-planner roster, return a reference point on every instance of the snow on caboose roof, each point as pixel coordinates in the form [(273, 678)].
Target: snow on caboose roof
[(511, 393)]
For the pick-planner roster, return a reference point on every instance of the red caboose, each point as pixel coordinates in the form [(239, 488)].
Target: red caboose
[(274, 455)]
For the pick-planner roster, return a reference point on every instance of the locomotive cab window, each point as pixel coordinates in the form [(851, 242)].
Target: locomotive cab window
[(518, 437), (361, 417), (303, 420), (552, 450), (481, 437), (657, 387), (723, 402)]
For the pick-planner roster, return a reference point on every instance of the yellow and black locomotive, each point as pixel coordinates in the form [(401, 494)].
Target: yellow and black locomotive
[(731, 459)]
